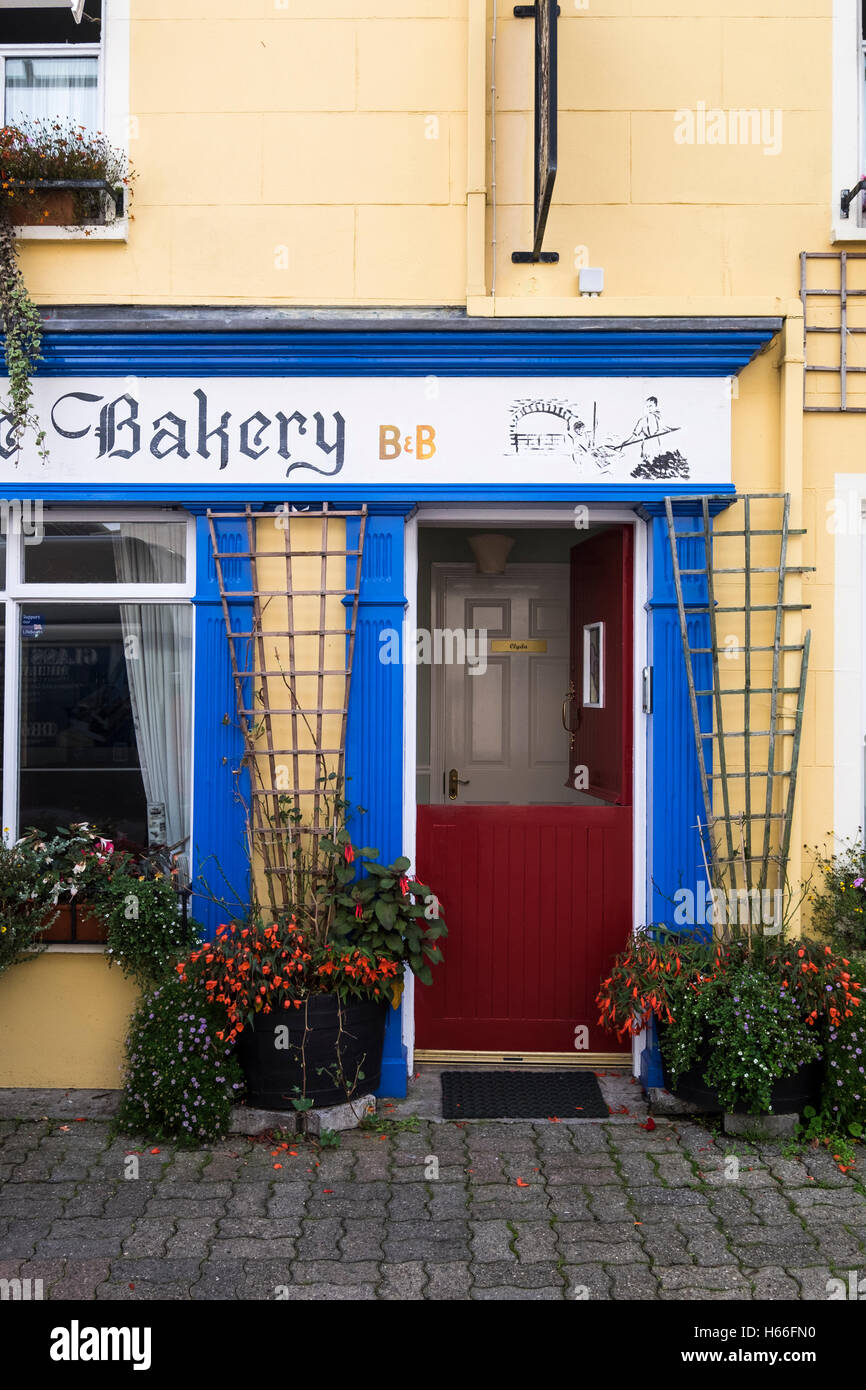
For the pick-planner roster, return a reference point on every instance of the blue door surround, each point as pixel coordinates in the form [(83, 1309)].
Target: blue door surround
[(674, 798), (375, 733)]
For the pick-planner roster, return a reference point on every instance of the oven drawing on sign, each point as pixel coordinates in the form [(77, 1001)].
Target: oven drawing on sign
[(563, 428)]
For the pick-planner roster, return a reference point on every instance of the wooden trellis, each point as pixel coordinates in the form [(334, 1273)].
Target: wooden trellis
[(748, 796), (284, 814)]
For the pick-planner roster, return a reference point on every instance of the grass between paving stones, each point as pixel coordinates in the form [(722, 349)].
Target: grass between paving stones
[(382, 1124)]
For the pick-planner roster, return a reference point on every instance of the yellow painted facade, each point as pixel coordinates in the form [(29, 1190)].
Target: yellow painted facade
[(365, 153), (63, 1019), (334, 153)]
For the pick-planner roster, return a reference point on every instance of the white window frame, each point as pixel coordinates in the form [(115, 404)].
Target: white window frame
[(113, 89), (588, 630), (16, 593), (849, 665), (849, 144)]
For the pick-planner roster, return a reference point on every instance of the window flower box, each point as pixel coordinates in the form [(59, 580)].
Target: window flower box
[(73, 922), (71, 203)]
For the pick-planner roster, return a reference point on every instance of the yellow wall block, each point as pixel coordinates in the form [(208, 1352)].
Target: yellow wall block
[(74, 272), (633, 244), (780, 62), (342, 159), (597, 170), (417, 66), (635, 64), (241, 65), (744, 9), (414, 255), (665, 171), (63, 1019), (214, 158), (294, 253), (373, 9)]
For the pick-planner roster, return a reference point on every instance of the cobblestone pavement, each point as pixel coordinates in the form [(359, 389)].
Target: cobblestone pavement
[(519, 1210)]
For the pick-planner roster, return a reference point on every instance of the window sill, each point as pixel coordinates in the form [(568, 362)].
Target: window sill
[(114, 231), (75, 948), (847, 231)]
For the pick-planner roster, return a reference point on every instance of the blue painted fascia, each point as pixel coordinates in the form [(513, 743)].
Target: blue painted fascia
[(705, 352)]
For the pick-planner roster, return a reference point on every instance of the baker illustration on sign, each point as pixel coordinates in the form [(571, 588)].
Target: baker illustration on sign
[(559, 427), (585, 449), (653, 462)]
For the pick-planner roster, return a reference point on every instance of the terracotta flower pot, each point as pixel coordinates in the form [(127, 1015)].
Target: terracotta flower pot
[(75, 922), (88, 926), (62, 925)]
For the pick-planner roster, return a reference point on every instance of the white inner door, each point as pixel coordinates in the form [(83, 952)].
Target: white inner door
[(498, 722)]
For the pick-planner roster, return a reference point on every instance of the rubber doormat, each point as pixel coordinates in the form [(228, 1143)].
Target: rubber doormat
[(522, 1095)]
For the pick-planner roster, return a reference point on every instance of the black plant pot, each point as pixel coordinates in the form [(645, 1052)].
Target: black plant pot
[(790, 1094), (327, 1045)]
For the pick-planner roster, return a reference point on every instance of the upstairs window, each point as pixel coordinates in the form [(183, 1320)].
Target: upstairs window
[(51, 65), (849, 119)]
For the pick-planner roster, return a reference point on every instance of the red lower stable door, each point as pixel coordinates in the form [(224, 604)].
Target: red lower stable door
[(529, 849)]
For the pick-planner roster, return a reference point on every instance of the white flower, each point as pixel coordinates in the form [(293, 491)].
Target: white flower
[(79, 868)]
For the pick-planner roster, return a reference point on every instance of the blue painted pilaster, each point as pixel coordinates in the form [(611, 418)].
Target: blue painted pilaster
[(374, 742), (219, 865), (675, 800)]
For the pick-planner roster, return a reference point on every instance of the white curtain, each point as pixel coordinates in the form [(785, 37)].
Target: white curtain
[(157, 644), (55, 88)]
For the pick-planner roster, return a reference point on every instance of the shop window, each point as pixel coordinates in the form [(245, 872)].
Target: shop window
[(51, 64), (99, 614), (108, 552)]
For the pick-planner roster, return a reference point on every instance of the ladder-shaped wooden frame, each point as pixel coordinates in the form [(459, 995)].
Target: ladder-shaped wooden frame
[(277, 823), (729, 841)]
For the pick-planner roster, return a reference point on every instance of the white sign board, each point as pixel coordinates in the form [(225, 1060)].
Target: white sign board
[(446, 431)]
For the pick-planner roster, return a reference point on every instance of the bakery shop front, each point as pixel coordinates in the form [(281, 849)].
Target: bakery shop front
[(517, 715)]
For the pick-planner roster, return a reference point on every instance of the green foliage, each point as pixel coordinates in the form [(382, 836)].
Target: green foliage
[(843, 1101), (343, 898), (817, 1128), (759, 1007), (22, 342), (76, 861), (838, 900), (256, 969), (38, 150), (30, 153), (25, 906), (147, 935), (329, 1139), (756, 1031), (384, 913), (180, 1081), (382, 1124)]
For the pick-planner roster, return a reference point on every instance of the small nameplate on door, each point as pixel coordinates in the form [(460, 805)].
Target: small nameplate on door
[(517, 644)]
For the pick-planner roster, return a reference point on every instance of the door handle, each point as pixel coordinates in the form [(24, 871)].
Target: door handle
[(454, 782), (567, 700)]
